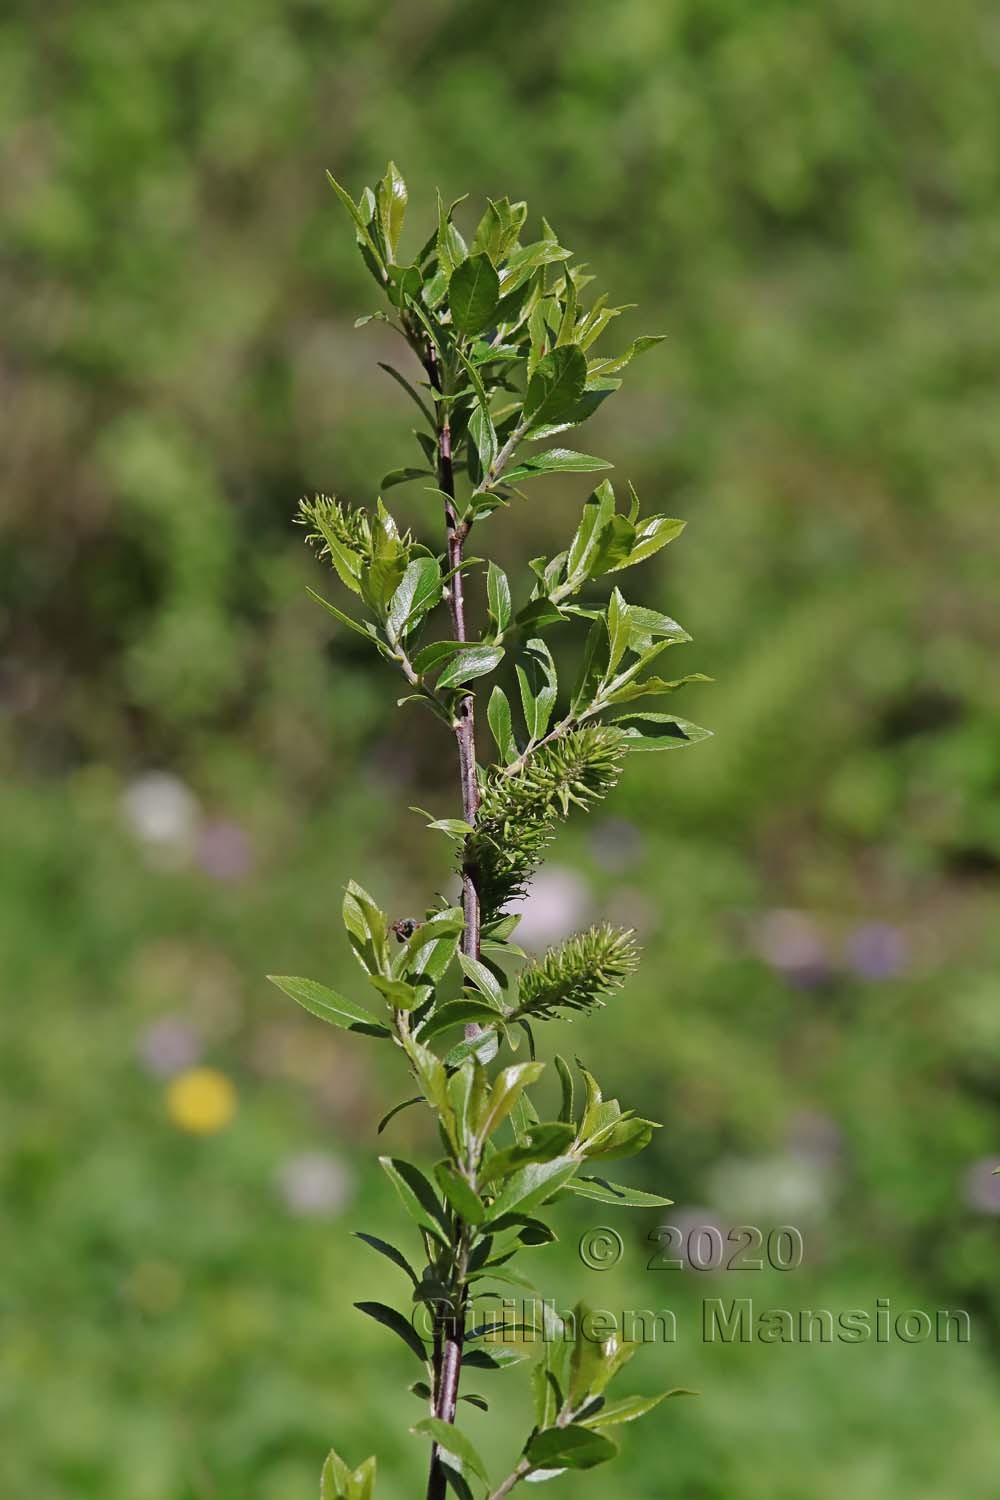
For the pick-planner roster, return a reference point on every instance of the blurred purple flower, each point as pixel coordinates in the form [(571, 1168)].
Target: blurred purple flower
[(315, 1185), (877, 950), (168, 1046), (224, 850), (793, 943), (981, 1190)]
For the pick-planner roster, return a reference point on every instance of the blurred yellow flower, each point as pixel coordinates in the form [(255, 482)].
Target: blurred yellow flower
[(201, 1100)]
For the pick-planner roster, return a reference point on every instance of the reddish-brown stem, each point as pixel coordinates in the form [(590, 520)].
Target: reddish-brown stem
[(450, 1330)]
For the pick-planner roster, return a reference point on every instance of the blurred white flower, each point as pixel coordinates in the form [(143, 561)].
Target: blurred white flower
[(315, 1185), (557, 904), (161, 811)]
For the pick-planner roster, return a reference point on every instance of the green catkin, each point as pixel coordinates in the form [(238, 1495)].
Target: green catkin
[(578, 974), (518, 813)]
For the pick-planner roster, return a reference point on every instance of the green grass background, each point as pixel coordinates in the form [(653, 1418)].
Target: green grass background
[(805, 199)]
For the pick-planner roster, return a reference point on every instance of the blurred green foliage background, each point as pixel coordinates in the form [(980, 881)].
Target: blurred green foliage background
[(805, 199)]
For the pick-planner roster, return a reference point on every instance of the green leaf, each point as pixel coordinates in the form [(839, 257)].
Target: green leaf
[(335, 1479), (648, 625), (405, 283), (417, 1196), (597, 513), (451, 248), (453, 1442), (613, 1194), (465, 1089), (619, 628), (459, 1194), (542, 1144), (498, 716), (460, 1013), (628, 1138), (433, 1080), (359, 223), (367, 927), (482, 978), (533, 1183), (566, 1085), (473, 294), (629, 1408), (555, 461), (667, 732), (429, 658), (507, 1089), (471, 661), (418, 592), (389, 1251), (403, 476), (539, 686), (396, 992), (556, 386), (637, 346), (339, 1482), (338, 614), (654, 533), (408, 388), (569, 1447), (328, 1005), (390, 196), (499, 228), (390, 1318), (396, 1108), (498, 597), (484, 437)]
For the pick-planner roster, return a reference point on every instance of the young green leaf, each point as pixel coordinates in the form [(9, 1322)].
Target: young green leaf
[(629, 1408), (652, 731), (556, 386), (459, 1013), (321, 1001), (506, 1090), (459, 1194), (470, 662), (498, 597), (473, 293), (417, 1196), (614, 1195), (555, 461), (484, 980), (390, 1318), (569, 1447), (418, 592), (484, 439), (389, 1251), (390, 196), (531, 1184), (454, 1443), (498, 717)]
